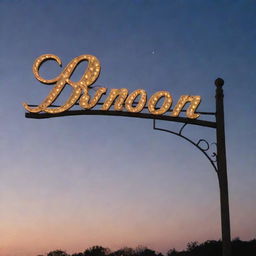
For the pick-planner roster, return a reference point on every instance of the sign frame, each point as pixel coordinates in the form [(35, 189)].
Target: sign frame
[(217, 159)]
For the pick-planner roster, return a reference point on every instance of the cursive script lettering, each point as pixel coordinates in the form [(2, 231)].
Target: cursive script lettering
[(89, 77), (119, 97)]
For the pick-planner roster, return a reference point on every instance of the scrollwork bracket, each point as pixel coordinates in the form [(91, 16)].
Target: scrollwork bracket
[(202, 144)]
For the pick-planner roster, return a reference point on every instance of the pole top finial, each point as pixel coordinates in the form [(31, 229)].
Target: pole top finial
[(219, 82)]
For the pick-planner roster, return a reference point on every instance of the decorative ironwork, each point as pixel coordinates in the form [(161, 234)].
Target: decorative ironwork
[(196, 144)]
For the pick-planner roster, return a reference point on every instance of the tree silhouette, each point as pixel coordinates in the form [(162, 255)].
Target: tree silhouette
[(126, 251), (172, 252), (57, 253), (144, 251), (192, 246), (96, 251), (207, 248)]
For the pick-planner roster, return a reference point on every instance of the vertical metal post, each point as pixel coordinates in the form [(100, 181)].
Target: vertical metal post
[(222, 169)]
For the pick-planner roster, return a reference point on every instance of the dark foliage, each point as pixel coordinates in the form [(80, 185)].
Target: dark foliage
[(126, 251), (96, 251), (57, 253), (208, 248)]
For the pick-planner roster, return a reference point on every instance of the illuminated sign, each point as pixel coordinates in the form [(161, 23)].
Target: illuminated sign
[(120, 98)]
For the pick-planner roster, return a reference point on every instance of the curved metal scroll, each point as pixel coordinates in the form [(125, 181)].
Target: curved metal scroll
[(196, 144)]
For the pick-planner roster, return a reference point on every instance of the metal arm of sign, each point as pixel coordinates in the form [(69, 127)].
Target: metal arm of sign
[(122, 113), (196, 144)]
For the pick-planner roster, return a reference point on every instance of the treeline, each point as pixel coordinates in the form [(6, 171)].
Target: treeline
[(208, 248)]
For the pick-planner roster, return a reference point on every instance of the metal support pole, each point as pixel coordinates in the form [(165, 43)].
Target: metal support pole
[(222, 169)]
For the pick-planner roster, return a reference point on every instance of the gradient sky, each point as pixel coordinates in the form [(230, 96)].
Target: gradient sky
[(75, 182)]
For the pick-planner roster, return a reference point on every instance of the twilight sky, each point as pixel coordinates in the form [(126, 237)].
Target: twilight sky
[(75, 182)]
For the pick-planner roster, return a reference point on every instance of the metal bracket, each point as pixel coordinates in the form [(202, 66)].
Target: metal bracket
[(201, 144)]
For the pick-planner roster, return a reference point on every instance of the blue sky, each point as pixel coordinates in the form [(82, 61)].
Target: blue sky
[(114, 181)]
